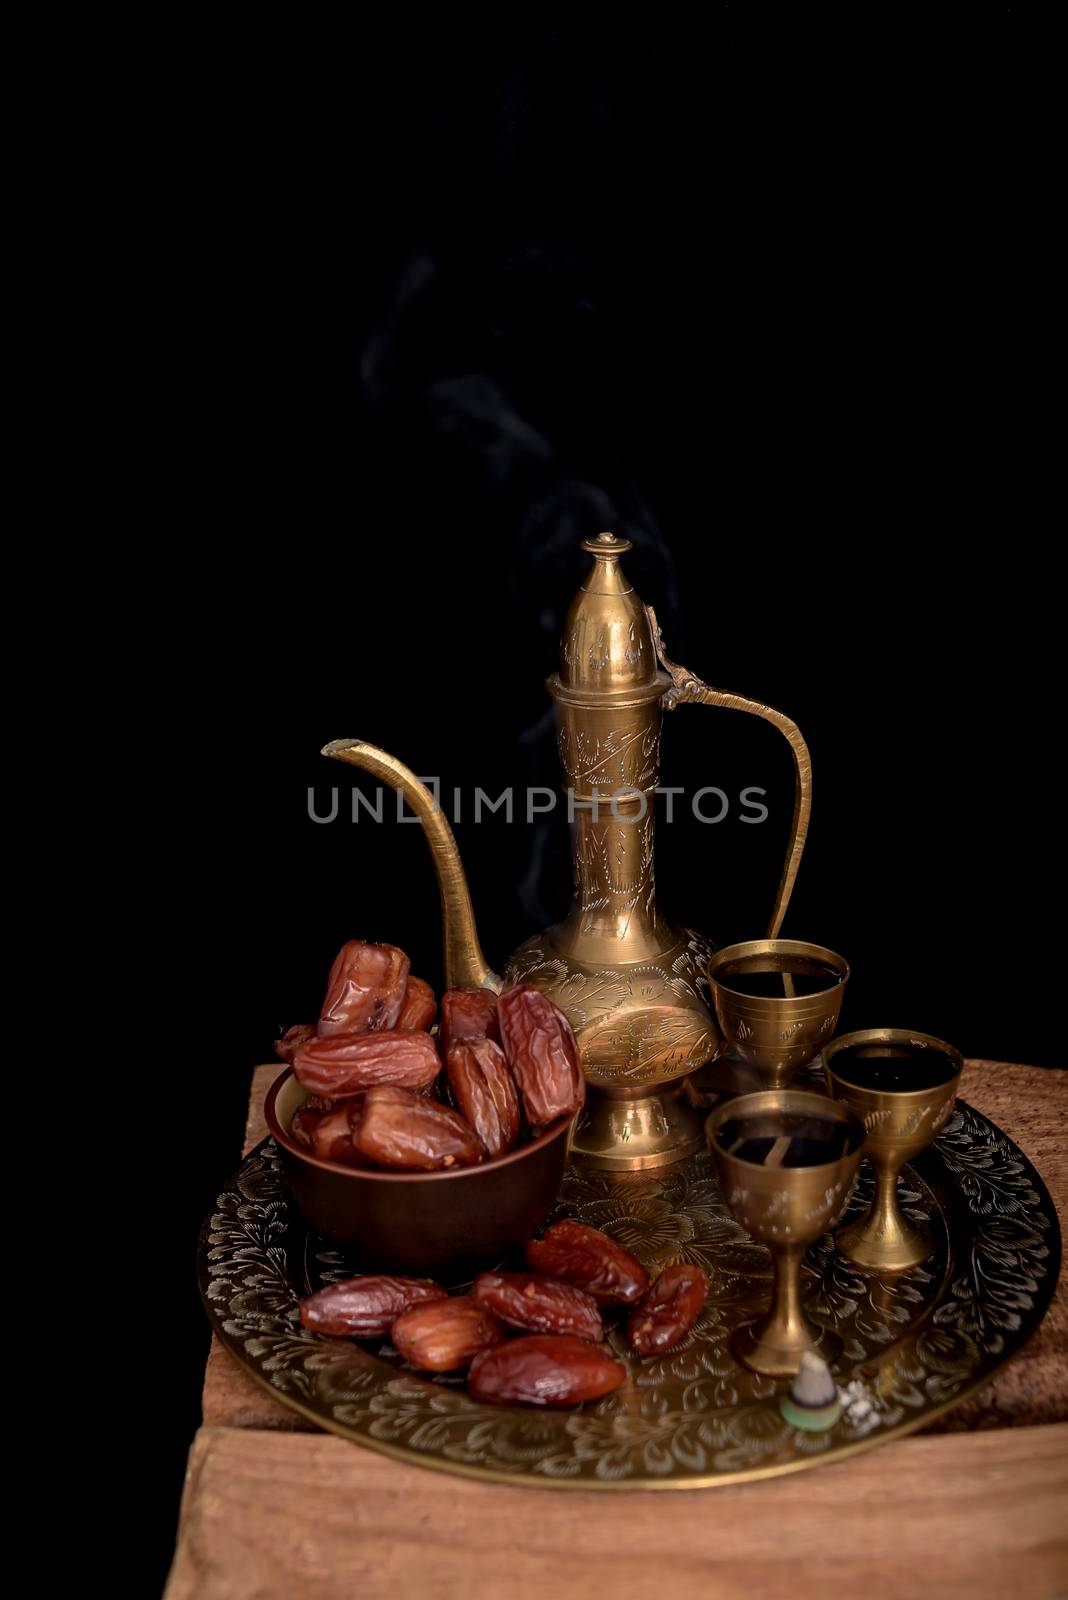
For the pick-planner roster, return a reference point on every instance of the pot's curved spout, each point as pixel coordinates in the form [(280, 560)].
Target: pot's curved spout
[(465, 965)]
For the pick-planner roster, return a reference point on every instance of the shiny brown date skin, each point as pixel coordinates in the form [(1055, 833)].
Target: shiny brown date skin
[(484, 1092), (545, 1369), (445, 1335), (467, 1015), (408, 1132), (285, 1046), (365, 1308), (365, 990), (589, 1259), (420, 1006), (350, 1063), (320, 1102), (332, 1135), (543, 1054), (306, 1118), (668, 1310), (527, 1300), (327, 1131)]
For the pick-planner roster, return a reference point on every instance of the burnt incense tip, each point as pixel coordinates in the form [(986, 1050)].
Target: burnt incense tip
[(813, 1385), (813, 1403)]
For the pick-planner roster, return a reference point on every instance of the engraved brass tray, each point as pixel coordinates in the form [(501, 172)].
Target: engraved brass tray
[(915, 1343)]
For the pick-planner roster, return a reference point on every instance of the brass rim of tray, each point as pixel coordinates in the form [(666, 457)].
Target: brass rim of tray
[(1023, 1240)]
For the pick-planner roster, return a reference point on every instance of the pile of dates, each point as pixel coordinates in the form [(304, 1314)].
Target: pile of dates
[(526, 1338), (385, 1092)]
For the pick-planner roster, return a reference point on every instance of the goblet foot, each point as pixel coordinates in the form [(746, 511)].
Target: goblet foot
[(877, 1243), (730, 1074), (778, 1077), (769, 1349), (725, 1074)]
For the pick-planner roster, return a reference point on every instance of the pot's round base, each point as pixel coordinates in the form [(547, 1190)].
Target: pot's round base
[(637, 1135)]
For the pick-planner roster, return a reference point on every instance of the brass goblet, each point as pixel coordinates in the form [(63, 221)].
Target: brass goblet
[(903, 1087), (777, 1000), (786, 1161)]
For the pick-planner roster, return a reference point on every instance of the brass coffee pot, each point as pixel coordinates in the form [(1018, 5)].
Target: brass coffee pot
[(632, 984)]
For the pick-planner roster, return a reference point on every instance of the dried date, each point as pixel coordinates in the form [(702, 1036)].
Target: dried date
[(349, 1063), (589, 1259), (485, 1093), (285, 1046), (468, 1015), (365, 990), (327, 1130), (306, 1119), (546, 1369), (365, 1308), (542, 1052), (332, 1134), (446, 1334), (668, 1310), (408, 1131), (527, 1300), (420, 1007)]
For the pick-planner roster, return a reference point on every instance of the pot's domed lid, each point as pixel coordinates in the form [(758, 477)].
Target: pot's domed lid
[(607, 644)]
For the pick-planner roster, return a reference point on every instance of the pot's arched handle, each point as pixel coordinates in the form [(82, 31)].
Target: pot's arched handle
[(687, 688)]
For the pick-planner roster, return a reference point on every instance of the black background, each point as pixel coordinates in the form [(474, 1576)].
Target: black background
[(784, 323)]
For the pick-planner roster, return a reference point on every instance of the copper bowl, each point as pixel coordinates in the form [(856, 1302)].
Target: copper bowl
[(421, 1221)]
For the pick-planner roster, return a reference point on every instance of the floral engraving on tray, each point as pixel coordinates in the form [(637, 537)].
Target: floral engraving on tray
[(913, 1341)]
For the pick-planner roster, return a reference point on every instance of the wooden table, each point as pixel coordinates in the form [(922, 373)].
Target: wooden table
[(977, 1506)]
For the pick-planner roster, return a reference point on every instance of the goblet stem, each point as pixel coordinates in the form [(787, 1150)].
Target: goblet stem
[(883, 1239), (775, 1344), (785, 1327), (884, 1218)]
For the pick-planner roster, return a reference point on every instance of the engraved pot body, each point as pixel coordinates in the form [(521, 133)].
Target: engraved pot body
[(631, 984)]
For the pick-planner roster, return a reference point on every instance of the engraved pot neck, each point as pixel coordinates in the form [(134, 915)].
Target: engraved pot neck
[(608, 646)]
